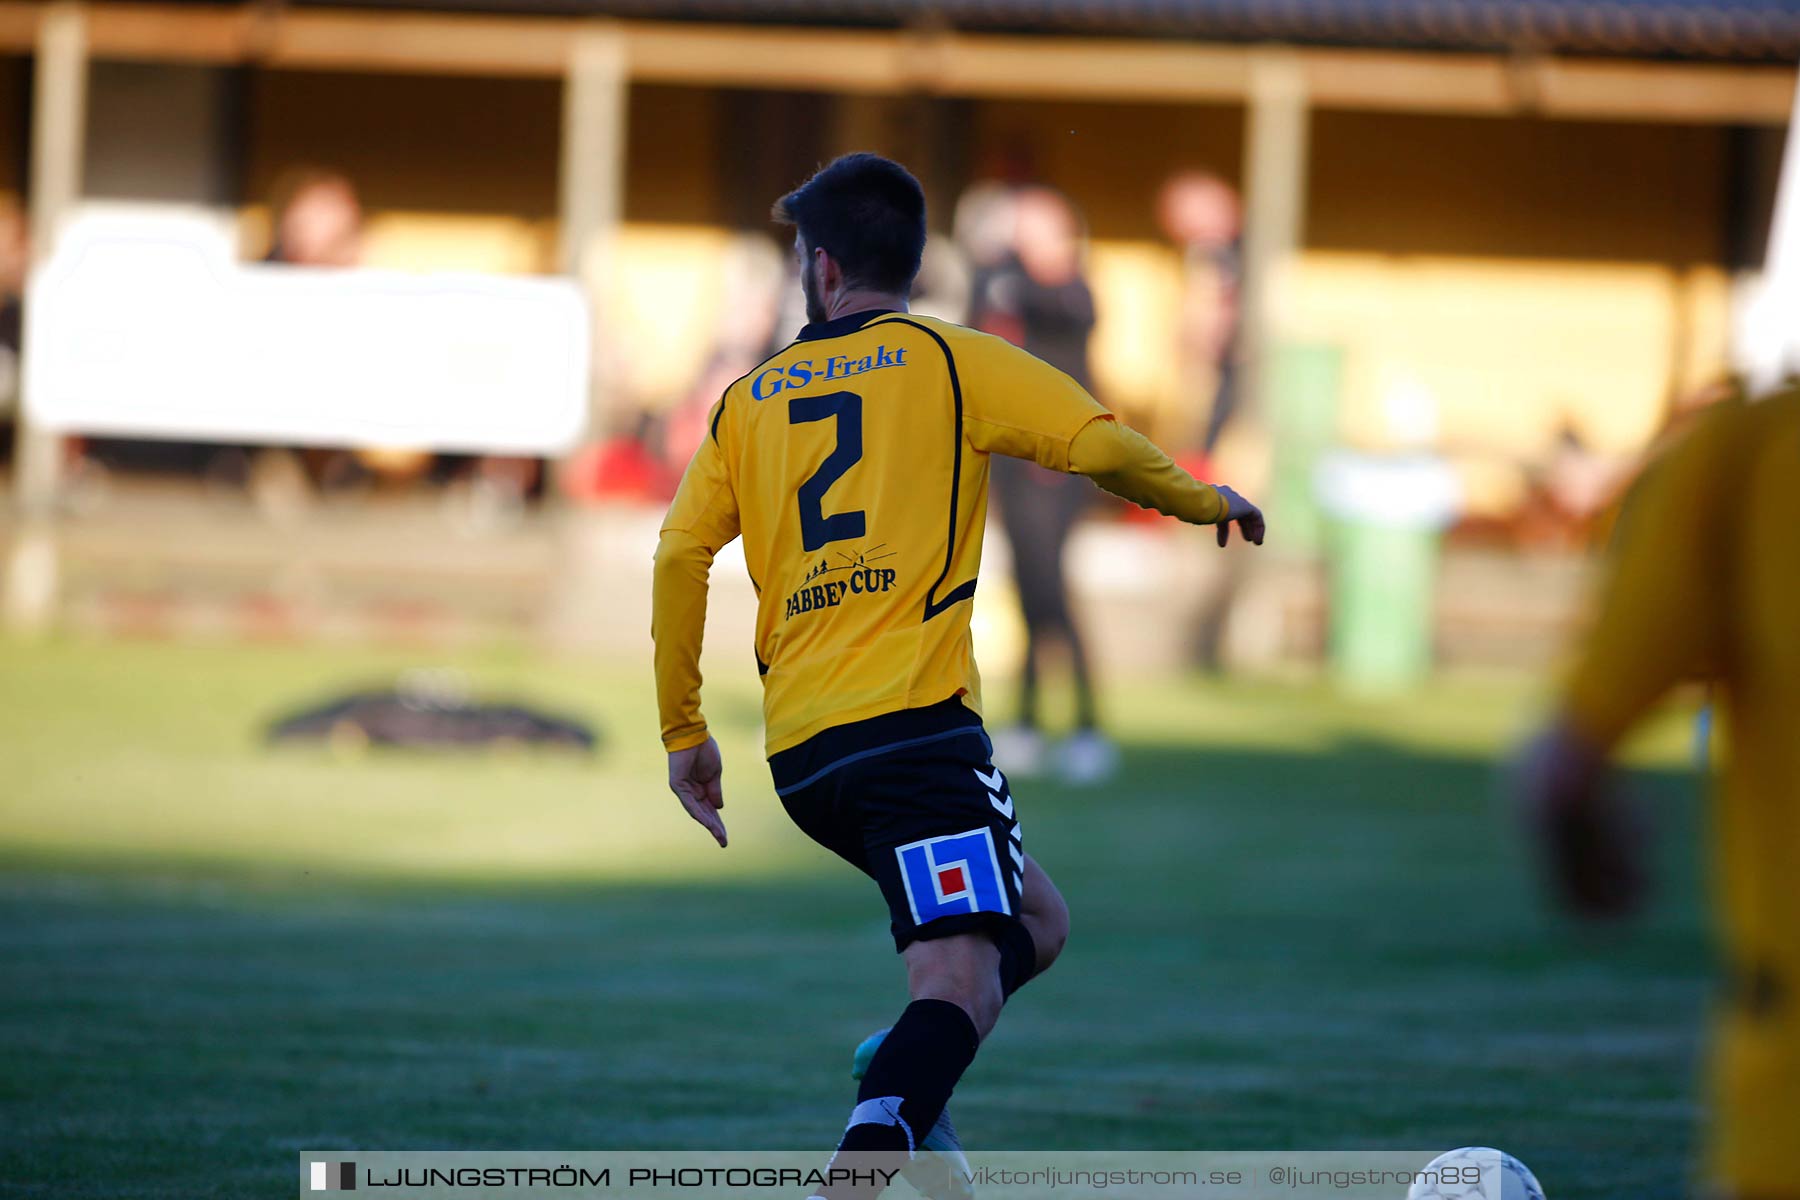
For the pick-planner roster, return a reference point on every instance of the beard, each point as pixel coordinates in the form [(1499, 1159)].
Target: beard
[(815, 304)]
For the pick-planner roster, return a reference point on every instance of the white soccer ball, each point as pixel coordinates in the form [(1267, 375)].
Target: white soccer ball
[(1467, 1174)]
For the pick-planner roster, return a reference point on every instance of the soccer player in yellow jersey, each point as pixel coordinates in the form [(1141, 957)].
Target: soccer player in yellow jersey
[(854, 465), (1704, 584)]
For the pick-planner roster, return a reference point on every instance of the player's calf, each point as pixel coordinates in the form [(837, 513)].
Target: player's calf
[(910, 1079), (956, 996)]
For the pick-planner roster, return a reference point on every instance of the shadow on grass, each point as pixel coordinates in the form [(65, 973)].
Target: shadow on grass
[(1271, 950), (1359, 795)]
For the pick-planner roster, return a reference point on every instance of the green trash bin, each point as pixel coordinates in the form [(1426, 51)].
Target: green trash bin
[(1304, 381), (1386, 516)]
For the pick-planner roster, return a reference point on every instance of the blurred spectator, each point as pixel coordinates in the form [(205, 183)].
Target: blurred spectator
[(1034, 295), (1574, 486), (645, 457), (985, 218), (1570, 496), (748, 328), (317, 220), (982, 230), (942, 287), (1200, 214)]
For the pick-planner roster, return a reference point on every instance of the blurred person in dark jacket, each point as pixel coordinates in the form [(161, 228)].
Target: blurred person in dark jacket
[(1035, 296)]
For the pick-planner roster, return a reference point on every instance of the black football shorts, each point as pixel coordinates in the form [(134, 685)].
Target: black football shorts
[(912, 800)]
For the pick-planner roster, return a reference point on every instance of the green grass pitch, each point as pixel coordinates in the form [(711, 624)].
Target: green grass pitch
[(1299, 923)]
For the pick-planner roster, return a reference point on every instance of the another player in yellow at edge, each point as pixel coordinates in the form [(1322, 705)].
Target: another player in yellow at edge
[(854, 465), (1704, 585)]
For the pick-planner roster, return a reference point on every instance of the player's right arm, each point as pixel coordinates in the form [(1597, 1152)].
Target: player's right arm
[(701, 520), (1018, 405)]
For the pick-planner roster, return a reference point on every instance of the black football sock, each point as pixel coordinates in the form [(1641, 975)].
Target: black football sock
[(910, 1079)]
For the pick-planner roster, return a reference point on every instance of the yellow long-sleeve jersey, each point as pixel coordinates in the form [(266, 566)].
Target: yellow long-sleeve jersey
[(1704, 584), (854, 463)]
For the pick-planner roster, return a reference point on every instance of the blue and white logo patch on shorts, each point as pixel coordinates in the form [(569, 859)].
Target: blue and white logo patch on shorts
[(954, 874)]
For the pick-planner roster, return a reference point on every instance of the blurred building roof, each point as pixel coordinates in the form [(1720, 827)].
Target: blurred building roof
[(1730, 30)]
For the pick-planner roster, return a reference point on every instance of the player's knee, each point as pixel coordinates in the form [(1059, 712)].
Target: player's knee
[(962, 970), (979, 997)]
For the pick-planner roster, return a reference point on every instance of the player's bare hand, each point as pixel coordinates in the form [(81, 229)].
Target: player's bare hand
[(694, 778), (1245, 515), (1590, 841)]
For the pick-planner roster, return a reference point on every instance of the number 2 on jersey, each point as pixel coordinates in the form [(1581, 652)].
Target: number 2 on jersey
[(816, 529)]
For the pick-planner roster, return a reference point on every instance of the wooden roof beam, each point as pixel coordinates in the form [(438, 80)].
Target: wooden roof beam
[(943, 63)]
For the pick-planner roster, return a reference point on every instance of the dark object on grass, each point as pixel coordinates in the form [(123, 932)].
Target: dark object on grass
[(432, 709)]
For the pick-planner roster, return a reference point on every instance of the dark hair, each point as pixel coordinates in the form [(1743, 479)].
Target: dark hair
[(868, 213)]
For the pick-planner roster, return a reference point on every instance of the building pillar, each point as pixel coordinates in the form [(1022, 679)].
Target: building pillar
[(58, 121), (591, 201), (1258, 588), (596, 93), (863, 121), (1275, 155)]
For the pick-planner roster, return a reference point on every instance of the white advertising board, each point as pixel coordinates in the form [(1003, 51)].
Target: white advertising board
[(148, 327)]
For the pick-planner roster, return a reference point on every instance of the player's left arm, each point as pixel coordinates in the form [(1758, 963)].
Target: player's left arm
[(1131, 466), (1658, 620), (1021, 406), (701, 520)]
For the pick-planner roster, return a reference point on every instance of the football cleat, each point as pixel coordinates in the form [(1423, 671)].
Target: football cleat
[(941, 1171), (865, 1053)]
